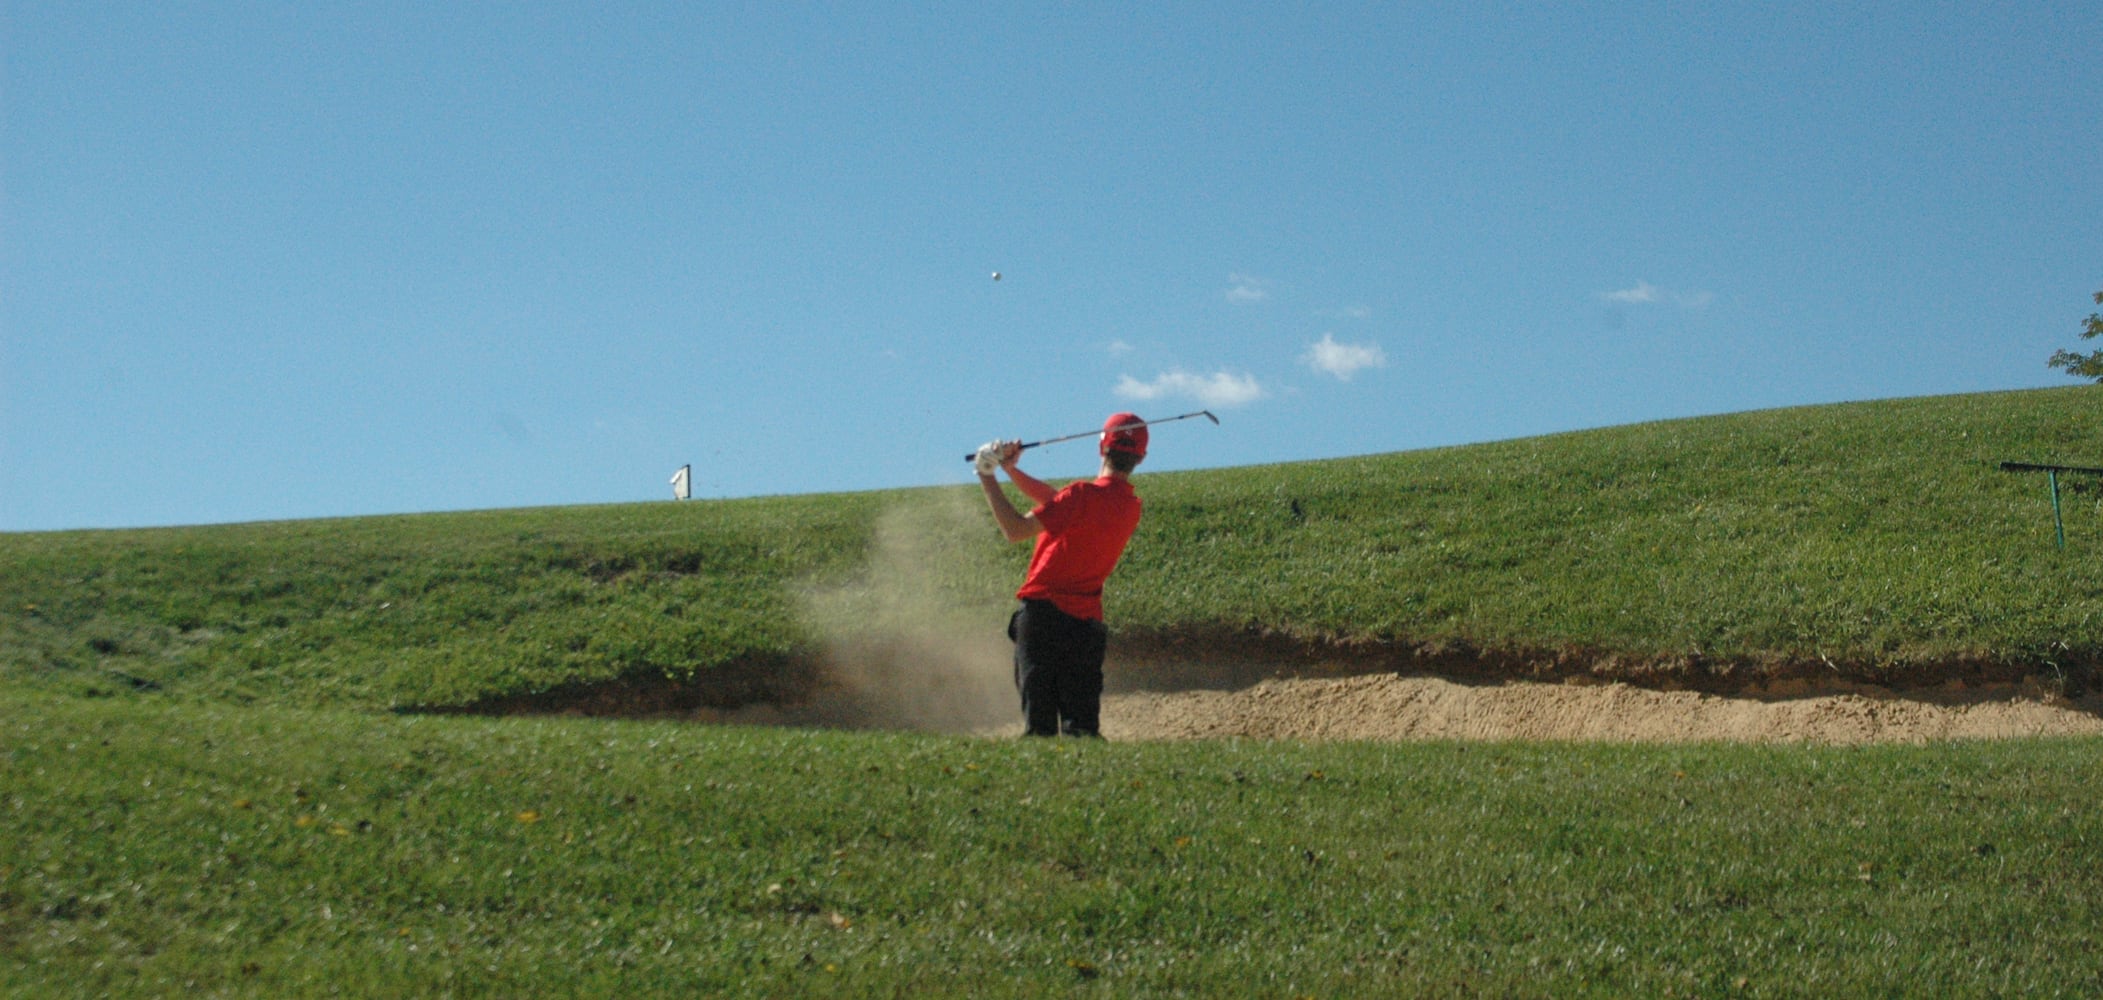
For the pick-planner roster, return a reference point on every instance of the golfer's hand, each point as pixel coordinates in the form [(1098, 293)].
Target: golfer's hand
[(989, 457)]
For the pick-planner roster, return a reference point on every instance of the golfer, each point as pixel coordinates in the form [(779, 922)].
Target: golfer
[(1080, 533)]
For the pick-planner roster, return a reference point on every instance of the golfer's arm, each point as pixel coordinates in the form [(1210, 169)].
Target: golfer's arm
[(1014, 524), (1036, 489)]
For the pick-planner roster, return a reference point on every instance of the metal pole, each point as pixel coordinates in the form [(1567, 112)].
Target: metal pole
[(2053, 471)]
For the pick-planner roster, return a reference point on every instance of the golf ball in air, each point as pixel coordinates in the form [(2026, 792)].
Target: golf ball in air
[(996, 275)]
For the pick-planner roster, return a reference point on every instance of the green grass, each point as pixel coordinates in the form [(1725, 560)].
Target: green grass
[(160, 850), (201, 790), (1877, 540), (1875, 535), (424, 609)]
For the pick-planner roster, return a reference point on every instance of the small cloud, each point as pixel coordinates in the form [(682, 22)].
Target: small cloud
[(1347, 312), (1244, 288), (1644, 292), (1218, 389), (1342, 360), (1119, 348)]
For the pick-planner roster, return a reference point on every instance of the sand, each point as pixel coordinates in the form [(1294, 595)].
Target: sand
[(1391, 707), (1388, 707)]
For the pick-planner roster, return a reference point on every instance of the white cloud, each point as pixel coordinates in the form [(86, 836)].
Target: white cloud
[(1342, 360), (1646, 293), (1217, 389), (1247, 288), (1347, 312), (1119, 348)]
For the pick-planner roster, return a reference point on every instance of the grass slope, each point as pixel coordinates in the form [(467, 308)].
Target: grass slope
[(1870, 538), (420, 609), (1876, 539)]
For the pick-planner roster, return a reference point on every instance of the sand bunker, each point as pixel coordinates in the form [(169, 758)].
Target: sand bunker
[(1390, 707), (899, 654)]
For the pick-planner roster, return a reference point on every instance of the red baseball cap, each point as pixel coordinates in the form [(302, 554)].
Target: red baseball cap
[(1118, 436)]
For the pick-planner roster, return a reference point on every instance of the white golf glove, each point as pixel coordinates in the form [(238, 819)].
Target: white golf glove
[(987, 461)]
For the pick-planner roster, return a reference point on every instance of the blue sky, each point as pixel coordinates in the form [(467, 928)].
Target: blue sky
[(267, 261)]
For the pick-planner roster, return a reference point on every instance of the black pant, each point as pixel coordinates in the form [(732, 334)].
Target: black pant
[(1058, 669)]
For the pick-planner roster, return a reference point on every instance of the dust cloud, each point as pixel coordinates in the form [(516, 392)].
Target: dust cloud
[(916, 638)]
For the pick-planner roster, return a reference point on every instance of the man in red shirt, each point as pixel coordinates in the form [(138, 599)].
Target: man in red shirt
[(1080, 533)]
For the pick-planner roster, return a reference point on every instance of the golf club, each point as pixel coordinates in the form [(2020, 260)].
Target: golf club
[(1207, 414)]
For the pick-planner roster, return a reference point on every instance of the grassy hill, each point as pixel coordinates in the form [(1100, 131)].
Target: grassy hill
[(1872, 541), (230, 816)]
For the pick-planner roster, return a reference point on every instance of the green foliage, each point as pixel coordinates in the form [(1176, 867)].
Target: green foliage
[(2088, 365), (1878, 537), (158, 850)]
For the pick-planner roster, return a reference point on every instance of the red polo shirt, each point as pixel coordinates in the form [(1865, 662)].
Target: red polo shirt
[(1086, 526)]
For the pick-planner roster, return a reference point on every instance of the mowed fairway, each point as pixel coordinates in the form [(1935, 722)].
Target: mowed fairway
[(160, 851), (215, 777)]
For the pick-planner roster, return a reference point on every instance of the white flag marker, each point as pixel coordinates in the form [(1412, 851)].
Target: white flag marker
[(683, 483)]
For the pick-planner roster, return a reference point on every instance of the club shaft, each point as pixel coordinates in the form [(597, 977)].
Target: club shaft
[(1207, 414)]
